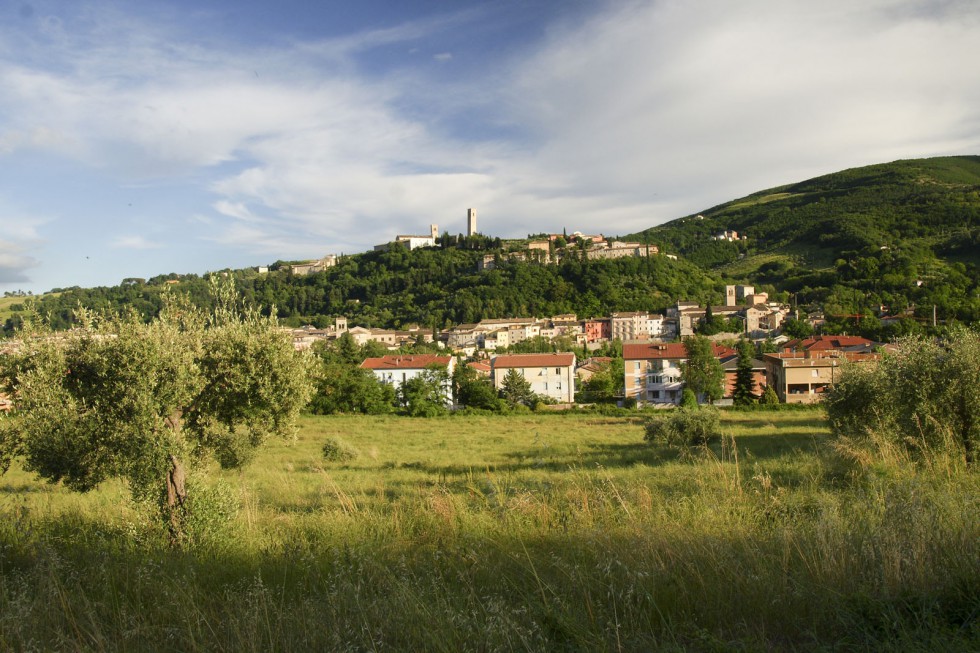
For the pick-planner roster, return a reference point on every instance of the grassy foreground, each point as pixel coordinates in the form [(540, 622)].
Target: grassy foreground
[(539, 532)]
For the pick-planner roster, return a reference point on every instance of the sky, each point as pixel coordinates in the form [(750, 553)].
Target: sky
[(143, 137)]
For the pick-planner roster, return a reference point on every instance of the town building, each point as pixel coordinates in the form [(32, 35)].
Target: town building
[(550, 375), (310, 267), (414, 242), (802, 377), (397, 369), (653, 371)]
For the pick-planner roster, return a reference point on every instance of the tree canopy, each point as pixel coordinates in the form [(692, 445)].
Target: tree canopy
[(702, 372), (122, 398)]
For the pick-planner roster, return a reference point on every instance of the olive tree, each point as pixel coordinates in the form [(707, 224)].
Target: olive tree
[(924, 396), (147, 402)]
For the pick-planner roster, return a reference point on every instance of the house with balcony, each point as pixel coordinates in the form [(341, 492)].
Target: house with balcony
[(803, 376), (654, 371)]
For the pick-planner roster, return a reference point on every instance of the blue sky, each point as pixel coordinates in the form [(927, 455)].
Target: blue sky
[(141, 138)]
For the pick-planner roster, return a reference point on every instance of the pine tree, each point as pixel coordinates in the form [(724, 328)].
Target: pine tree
[(744, 381)]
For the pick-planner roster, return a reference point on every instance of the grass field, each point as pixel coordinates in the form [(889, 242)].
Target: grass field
[(537, 532)]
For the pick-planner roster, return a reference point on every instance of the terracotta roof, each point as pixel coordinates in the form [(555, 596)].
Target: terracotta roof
[(664, 350), (817, 343), (533, 360), (417, 362), (480, 366)]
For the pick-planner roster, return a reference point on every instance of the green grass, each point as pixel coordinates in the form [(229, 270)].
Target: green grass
[(5, 304), (538, 532)]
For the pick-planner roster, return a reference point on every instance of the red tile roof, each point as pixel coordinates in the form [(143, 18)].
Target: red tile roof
[(533, 360), (818, 343), (417, 362), (665, 350)]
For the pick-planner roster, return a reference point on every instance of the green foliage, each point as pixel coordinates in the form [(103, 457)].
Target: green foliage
[(604, 385), (744, 379), (338, 450), (682, 427), (923, 399), (516, 390), (689, 400), (434, 287), (556, 533), (702, 372), (473, 390), (342, 386), (346, 389), (769, 397), (900, 234), (210, 509), (122, 398), (793, 328), (425, 395)]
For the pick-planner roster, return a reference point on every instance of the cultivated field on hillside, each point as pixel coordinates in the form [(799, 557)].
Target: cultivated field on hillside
[(532, 532)]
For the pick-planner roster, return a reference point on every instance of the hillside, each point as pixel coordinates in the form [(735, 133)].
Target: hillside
[(904, 236), (433, 287), (901, 234)]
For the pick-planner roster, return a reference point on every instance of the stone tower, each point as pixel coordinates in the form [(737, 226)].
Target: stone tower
[(730, 296), (470, 222), (434, 229)]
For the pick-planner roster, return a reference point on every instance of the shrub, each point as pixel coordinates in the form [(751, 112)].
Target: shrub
[(338, 450), (769, 397), (682, 427), (924, 398), (689, 400)]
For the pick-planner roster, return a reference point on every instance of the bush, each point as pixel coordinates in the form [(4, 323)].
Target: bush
[(338, 451), (769, 397), (689, 400), (923, 400), (682, 427)]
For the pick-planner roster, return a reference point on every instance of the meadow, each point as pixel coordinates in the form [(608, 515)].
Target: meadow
[(524, 532)]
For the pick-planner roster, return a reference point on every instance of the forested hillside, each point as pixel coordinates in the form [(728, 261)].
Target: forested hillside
[(899, 238), (431, 287), (901, 234)]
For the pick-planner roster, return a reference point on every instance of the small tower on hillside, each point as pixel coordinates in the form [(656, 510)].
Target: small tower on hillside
[(434, 229), (730, 296), (470, 222)]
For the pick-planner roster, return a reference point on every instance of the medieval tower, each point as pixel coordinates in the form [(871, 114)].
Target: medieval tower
[(470, 222)]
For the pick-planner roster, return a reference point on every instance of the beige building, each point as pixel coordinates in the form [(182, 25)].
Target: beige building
[(803, 377), (550, 375), (310, 267)]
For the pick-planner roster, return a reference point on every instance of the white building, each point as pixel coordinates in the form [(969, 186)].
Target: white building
[(395, 370)]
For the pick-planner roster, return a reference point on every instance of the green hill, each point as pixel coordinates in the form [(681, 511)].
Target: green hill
[(901, 234), (433, 287)]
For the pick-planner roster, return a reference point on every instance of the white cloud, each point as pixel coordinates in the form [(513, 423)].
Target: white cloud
[(19, 240), (637, 114), (712, 99)]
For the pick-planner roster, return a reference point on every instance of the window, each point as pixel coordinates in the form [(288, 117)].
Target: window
[(557, 370), (655, 394)]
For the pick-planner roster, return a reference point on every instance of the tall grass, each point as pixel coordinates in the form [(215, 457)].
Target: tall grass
[(515, 533)]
